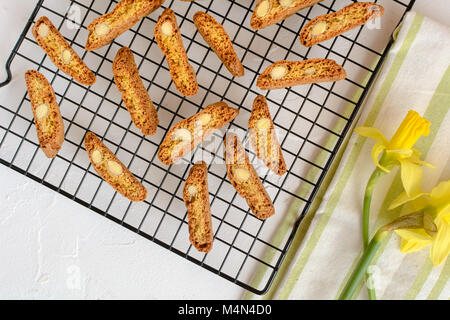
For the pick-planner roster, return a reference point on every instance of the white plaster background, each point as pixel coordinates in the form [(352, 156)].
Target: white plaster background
[(53, 248)]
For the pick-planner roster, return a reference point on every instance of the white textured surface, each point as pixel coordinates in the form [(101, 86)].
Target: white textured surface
[(51, 247)]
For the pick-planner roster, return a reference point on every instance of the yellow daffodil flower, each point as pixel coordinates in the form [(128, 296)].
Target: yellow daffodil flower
[(437, 206), (399, 150), (427, 223)]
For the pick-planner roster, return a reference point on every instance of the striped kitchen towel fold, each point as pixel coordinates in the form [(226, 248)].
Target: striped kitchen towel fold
[(415, 75)]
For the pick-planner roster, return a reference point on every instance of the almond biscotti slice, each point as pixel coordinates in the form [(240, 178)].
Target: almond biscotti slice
[(219, 41), (183, 137), (330, 25), (196, 198), (244, 178), (263, 137), (112, 170), (285, 73), (134, 94), (47, 117), (109, 26), (268, 12), (60, 52), (168, 37)]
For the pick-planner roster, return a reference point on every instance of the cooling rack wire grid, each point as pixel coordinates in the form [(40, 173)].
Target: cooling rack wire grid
[(311, 122)]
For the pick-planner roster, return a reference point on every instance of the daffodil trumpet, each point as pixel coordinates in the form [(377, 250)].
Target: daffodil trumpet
[(412, 221), (398, 151)]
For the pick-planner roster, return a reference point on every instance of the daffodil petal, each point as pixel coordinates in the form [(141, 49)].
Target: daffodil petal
[(426, 164), (411, 175), (377, 149), (419, 203), (404, 198), (445, 217), (440, 195), (413, 239), (407, 246), (415, 157), (400, 154), (372, 133), (443, 210), (440, 248), (416, 153)]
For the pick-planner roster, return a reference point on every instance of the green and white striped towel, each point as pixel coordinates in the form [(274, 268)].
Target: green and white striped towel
[(415, 75)]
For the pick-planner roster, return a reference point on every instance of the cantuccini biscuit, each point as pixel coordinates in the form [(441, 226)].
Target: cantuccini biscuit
[(219, 41), (330, 25), (112, 170), (168, 37), (47, 117), (263, 137), (268, 12), (134, 94), (109, 26), (183, 137), (285, 73), (196, 198), (60, 52), (244, 178)]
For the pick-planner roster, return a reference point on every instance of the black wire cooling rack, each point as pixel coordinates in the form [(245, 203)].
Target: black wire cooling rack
[(311, 120)]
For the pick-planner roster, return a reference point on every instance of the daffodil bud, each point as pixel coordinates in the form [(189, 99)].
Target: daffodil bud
[(414, 220), (429, 225)]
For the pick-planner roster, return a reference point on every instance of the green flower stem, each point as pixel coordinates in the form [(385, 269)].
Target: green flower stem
[(373, 180), (363, 264)]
